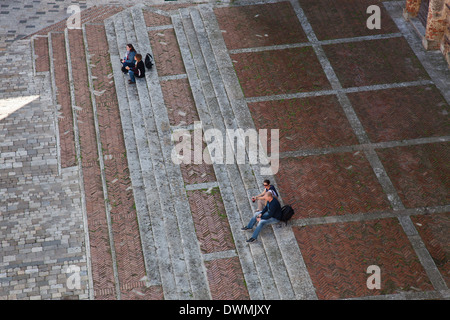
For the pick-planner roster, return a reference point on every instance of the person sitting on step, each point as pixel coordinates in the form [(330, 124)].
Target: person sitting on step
[(138, 70), (269, 215), (261, 202), (128, 60)]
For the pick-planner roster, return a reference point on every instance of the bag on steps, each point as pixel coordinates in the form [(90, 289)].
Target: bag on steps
[(148, 61), (286, 213)]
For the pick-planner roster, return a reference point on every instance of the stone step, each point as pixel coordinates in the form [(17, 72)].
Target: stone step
[(181, 274), (136, 265), (61, 99), (247, 173), (253, 258), (154, 180), (228, 107), (159, 120), (238, 111), (141, 170), (91, 178)]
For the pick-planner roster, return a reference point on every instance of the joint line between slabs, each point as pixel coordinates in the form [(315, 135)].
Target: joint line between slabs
[(315, 42)]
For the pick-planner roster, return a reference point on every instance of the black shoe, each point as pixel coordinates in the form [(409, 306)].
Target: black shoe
[(245, 228), (131, 82), (251, 240)]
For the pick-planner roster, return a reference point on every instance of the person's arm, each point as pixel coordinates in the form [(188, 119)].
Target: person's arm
[(265, 209), (130, 57), (259, 195)]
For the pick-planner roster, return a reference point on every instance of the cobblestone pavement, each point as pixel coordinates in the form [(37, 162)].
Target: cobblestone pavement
[(93, 207)]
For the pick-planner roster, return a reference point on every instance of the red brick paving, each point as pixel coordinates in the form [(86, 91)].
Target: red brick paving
[(102, 270), (305, 123), (374, 62), (225, 276), (210, 220), (179, 102), (259, 25), (337, 257), (197, 173), (65, 117), (42, 61), (330, 185), (166, 52), (345, 18), (403, 113), (419, 173), (129, 255), (153, 19), (433, 229), (226, 280), (279, 71)]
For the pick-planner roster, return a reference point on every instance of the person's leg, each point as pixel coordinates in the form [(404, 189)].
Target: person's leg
[(261, 224), (132, 78), (252, 221), (261, 204)]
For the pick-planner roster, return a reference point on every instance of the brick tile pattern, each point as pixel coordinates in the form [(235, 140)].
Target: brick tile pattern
[(403, 113), (375, 62), (153, 19), (419, 173), (330, 185), (210, 220), (65, 115), (433, 230), (259, 25), (197, 173), (279, 71), (42, 61), (345, 18), (304, 123), (337, 257), (102, 271), (179, 102), (226, 280), (225, 276), (166, 52), (129, 256)]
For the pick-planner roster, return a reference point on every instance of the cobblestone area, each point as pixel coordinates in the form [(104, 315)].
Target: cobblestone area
[(41, 219), (91, 207)]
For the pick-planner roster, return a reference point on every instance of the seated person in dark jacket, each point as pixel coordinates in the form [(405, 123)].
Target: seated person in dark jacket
[(269, 215), (138, 70)]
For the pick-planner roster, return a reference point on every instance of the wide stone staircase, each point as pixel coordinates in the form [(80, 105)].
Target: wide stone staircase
[(143, 240)]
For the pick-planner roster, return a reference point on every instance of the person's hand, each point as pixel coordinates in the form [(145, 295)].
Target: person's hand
[(128, 68)]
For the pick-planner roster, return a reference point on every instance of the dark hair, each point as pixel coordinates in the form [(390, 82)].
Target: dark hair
[(132, 49), (267, 181), (138, 56)]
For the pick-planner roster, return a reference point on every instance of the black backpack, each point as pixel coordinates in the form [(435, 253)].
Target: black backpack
[(286, 213), (148, 61)]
